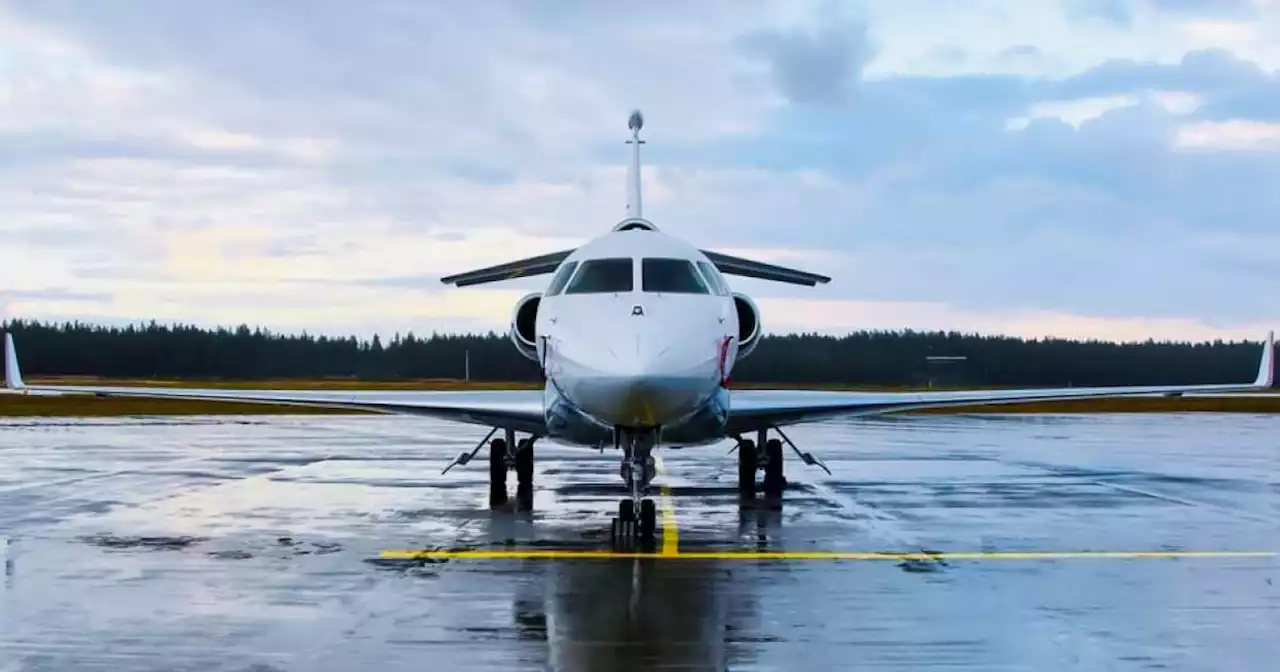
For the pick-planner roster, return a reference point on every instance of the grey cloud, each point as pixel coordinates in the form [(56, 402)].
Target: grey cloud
[(1210, 71), (1021, 52), (1122, 12), (821, 66)]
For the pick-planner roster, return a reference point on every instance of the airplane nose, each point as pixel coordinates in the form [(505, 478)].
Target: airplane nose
[(635, 379)]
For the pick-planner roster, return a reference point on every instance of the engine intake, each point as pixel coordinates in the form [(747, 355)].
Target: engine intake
[(748, 324), (524, 322)]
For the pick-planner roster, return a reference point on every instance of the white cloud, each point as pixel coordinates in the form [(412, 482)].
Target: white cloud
[(1238, 135)]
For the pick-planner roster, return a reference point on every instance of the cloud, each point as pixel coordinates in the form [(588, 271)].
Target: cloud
[(819, 65), (1005, 166)]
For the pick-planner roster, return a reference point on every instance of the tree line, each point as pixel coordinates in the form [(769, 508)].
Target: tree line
[(860, 358)]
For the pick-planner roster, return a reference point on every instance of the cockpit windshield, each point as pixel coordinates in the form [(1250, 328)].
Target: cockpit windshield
[(561, 278), (602, 276), (676, 276)]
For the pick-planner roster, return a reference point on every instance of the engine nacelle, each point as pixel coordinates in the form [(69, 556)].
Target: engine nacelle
[(524, 323), (748, 324)]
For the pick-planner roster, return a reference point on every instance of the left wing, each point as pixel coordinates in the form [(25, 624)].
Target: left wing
[(751, 410), (520, 410)]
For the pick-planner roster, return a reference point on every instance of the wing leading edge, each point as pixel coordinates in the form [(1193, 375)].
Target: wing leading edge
[(752, 410), (520, 410)]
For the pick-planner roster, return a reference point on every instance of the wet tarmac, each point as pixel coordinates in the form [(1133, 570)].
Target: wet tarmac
[(258, 544)]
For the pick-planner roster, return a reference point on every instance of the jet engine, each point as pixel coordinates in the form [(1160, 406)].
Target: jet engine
[(748, 324), (524, 323)]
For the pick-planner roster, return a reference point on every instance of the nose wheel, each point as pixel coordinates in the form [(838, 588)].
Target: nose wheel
[(633, 524)]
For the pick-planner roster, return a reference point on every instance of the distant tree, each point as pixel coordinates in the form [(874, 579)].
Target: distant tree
[(862, 357)]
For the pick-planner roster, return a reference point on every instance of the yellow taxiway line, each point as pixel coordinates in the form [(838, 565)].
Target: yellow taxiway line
[(550, 554), (670, 533)]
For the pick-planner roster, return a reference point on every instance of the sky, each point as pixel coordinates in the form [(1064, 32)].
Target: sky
[(1071, 168)]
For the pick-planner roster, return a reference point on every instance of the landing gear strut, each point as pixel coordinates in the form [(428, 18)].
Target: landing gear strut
[(637, 515)]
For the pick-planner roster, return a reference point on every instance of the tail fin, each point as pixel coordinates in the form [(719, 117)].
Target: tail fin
[(12, 376), (634, 209)]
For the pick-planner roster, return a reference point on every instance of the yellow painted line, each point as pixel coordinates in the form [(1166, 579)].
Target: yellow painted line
[(670, 532), (550, 554)]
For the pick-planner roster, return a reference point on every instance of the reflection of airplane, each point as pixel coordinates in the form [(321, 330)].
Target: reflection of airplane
[(658, 615), (636, 335)]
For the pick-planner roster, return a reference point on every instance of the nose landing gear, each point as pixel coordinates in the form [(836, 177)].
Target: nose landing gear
[(637, 515)]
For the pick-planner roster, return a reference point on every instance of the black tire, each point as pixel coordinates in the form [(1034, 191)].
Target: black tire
[(497, 472), (524, 476), (648, 518), (626, 511), (774, 480), (747, 469)]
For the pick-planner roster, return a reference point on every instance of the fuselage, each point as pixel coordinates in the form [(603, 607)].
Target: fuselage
[(636, 329)]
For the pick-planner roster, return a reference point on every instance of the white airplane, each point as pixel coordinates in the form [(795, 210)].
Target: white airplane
[(636, 335)]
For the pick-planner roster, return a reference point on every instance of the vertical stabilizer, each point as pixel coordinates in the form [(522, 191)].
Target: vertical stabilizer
[(12, 376), (635, 123)]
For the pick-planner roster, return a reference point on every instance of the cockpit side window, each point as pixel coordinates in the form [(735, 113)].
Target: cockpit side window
[(676, 276), (561, 278), (602, 276), (713, 278)]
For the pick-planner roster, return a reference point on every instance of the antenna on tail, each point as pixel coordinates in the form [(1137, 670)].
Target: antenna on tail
[(635, 123)]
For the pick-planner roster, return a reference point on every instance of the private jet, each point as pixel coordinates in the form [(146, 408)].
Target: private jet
[(636, 335)]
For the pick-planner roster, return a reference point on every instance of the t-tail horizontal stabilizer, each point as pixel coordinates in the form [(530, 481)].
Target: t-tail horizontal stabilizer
[(523, 268), (730, 265), (12, 375)]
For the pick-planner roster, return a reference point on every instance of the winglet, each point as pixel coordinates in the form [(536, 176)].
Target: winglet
[(12, 375), (1267, 367)]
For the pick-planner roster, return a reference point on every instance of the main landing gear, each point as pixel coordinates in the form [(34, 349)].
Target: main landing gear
[(506, 454), (765, 454), (637, 515)]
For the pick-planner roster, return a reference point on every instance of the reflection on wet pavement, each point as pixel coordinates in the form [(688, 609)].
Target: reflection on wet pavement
[(257, 544)]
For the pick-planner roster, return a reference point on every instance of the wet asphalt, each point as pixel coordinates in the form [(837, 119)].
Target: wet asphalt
[(257, 544)]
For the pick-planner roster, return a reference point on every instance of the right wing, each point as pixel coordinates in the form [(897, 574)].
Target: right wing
[(520, 410), (752, 410)]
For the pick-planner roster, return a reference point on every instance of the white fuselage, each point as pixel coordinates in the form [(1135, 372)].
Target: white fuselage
[(646, 351)]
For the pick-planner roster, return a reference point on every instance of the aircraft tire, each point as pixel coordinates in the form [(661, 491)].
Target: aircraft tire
[(774, 479), (626, 511), (524, 476), (648, 518), (497, 472), (747, 469)]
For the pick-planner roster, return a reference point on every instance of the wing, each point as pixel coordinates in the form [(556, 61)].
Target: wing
[(752, 410), (520, 410)]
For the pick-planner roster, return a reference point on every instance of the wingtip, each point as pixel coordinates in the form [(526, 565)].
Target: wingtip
[(12, 374), (1267, 366)]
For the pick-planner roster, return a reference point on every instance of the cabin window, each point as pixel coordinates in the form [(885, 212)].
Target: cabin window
[(675, 276), (561, 278), (602, 276), (714, 280)]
